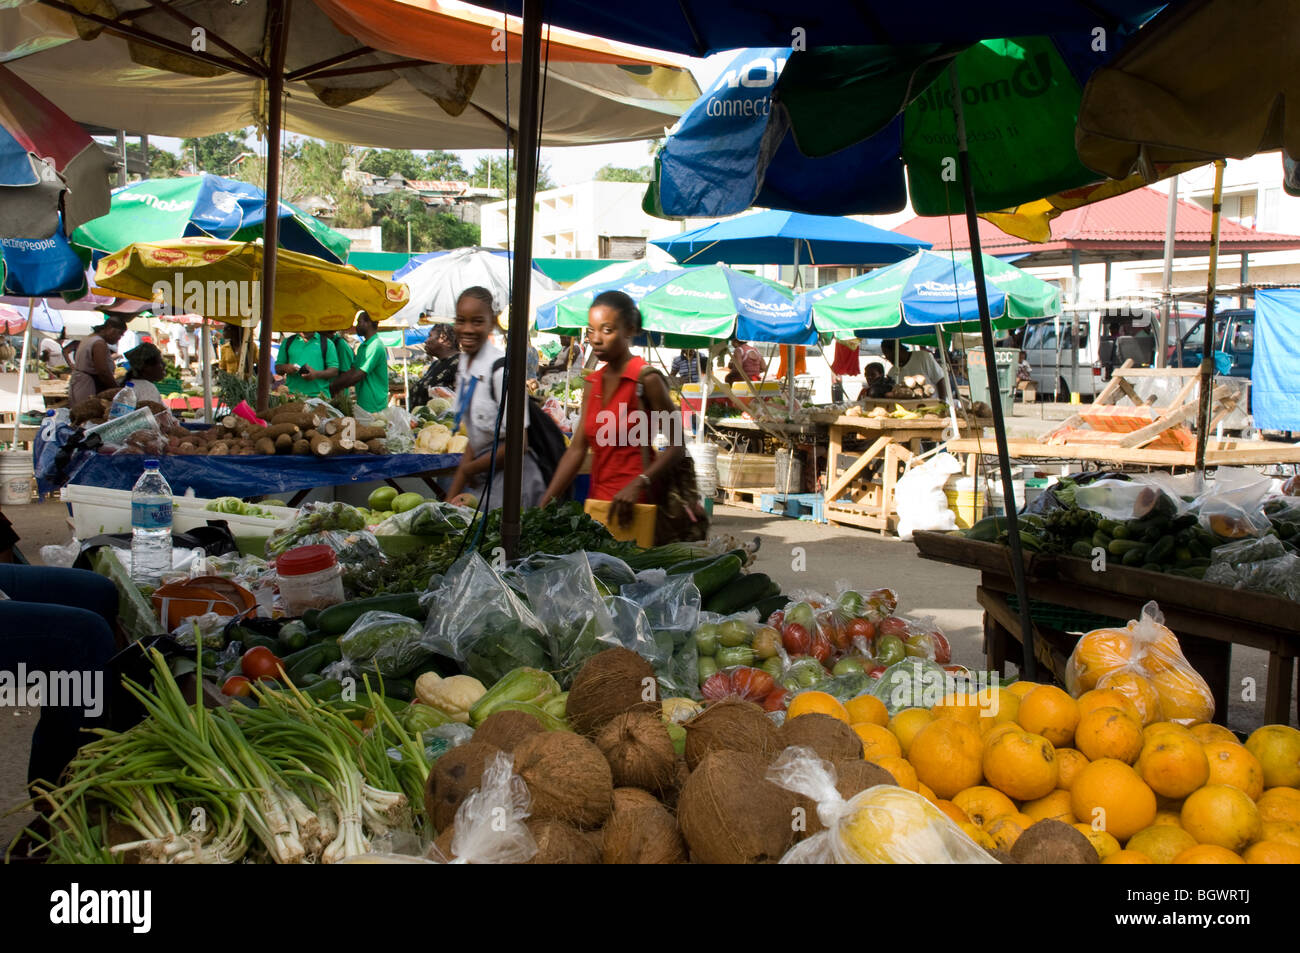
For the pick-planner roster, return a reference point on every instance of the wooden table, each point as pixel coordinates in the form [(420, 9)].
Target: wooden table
[(894, 443), (1208, 619), (1218, 453)]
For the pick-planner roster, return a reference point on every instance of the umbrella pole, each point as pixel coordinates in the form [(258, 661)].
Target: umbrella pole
[(205, 346), (522, 262), (22, 368), (406, 379), (278, 28), (1030, 668), (789, 348), (1207, 353)]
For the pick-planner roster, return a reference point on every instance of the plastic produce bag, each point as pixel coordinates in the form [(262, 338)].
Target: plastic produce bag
[(313, 519), (489, 825), (1144, 662), (920, 499), (912, 683), (1259, 565), (1232, 506), (62, 556), (884, 824), (479, 620), (427, 519), (397, 424), (1116, 499), (669, 602), (393, 644)]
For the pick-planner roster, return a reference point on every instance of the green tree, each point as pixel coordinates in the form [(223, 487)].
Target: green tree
[(493, 173), (444, 166), (351, 210), (162, 164), (215, 153), (384, 162), (429, 231), (613, 173)]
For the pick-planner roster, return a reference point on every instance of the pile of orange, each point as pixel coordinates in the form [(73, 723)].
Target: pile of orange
[(1145, 664)]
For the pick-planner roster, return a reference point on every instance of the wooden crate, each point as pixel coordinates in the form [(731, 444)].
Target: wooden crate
[(746, 469)]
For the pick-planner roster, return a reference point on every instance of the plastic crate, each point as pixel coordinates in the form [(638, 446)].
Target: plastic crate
[(1065, 619)]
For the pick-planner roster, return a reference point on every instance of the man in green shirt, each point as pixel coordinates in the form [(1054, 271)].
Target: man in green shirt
[(347, 360), (369, 372), (308, 362)]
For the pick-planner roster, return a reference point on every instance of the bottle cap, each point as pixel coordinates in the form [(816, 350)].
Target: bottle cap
[(130, 384), (151, 464), (304, 560)]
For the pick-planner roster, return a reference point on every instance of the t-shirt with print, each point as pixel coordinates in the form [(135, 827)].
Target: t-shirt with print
[(306, 351)]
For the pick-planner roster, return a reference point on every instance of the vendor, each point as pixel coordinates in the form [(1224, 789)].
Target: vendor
[(369, 371), (480, 390), (145, 368), (51, 352), (347, 358), (877, 384), (688, 365), (910, 363), (570, 356), (233, 340), (444, 358), (746, 362), (92, 370), (308, 362)]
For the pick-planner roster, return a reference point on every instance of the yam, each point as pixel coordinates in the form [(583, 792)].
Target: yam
[(293, 409), (283, 443), (220, 448), (368, 432), (301, 447), (265, 446), (276, 431), (611, 683), (376, 446), (327, 426), (323, 446), (299, 420)]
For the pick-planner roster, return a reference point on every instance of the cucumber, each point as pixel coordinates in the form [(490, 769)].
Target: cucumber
[(1161, 550), (1081, 548), (1101, 539), (716, 575), (1122, 531), (987, 529), (1109, 527), (309, 618), (252, 640), (769, 605), (691, 565), (1118, 547), (1135, 557), (739, 595), (311, 660), (1153, 567), (338, 619)]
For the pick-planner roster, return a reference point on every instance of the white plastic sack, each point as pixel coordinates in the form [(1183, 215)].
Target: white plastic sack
[(920, 500)]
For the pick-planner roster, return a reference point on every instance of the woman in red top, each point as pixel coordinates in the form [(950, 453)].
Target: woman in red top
[(614, 423)]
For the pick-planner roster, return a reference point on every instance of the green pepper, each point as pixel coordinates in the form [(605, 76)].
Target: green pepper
[(734, 655), (521, 685), (558, 706), (417, 719), (707, 668)]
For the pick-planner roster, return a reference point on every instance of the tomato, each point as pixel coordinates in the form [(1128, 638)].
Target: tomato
[(752, 684), (717, 686), (861, 629), (777, 619), (821, 648), (796, 639), (876, 671), (260, 662), (893, 626), (775, 700), (237, 685), (834, 631), (942, 648)]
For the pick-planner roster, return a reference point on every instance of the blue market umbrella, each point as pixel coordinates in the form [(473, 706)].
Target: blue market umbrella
[(39, 267)]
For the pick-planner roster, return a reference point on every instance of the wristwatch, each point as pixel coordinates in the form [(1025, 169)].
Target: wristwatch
[(642, 476)]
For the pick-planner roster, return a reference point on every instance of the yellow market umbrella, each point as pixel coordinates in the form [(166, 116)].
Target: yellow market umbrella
[(222, 280)]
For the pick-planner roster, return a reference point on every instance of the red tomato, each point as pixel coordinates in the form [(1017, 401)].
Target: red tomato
[(942, 648), (775, 700), (796, 639), (875, 671), (834, 631), (717, 686), (752, 684), (260, 662), (821, 648), (861, 628), (237, 685), (776, 619), (893, 626)]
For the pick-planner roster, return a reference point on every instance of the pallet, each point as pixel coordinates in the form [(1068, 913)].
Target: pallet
[(750, 498), (802, 506)]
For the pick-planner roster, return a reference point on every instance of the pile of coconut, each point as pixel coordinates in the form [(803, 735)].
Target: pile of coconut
[(614, 790)]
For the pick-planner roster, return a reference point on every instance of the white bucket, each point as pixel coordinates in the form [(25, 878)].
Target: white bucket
[(789, 472), (705, 457), (15, 477)]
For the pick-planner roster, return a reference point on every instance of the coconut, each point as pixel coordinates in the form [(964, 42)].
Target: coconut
[(731, 814), (639, 751), (561, 843), (506, 729), (1052, 842), (441, 849), (568, 778), (643, 835), (829, 737), (453, 778), (627, 799), (1001, 856), (852, 777), (611, 683), (731, 725)]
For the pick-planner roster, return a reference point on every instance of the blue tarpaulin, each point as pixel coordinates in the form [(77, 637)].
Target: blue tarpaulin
[(257, 475), (1274, 383)]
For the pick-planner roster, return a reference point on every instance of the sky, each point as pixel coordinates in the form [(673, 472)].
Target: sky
[(570, 165)]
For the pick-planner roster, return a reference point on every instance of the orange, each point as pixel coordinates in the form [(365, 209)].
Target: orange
[(1271, 852), (1207, 854), (1160, 654), (998, 707), (1161, 842), (867, 709), (1278, 749), (1107, 698), (1104, 844), (1095, 654), (948, 756), (1111, 794), (1172, 765), (1005, 829), (1021, 765), (877, 742), (978, 836), (1050, 712), (960, 706), (1184, 696), (808, 702), (1109, 733), (1070, 762), (907, 723), (998, 730), (1208, 731), (1137, 689), (1223, 815), (982, 803), (1053, 807), (1232, 763), (925, 792), (1172, 818), (1280, 804), (1022, 688), (953, 811), (904, 774), (1127, 857), (1283, 832)]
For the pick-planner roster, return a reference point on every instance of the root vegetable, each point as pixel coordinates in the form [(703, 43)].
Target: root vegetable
[(368, 432), (301, 447), (265, 446), (283, 443), (220, 448), (376, 446), (276, 431)]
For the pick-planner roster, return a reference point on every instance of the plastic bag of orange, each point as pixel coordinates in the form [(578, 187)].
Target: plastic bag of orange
[(882, 825), (1145, 662)]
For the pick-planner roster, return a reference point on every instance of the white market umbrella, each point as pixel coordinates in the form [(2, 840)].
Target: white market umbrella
[(437, 279)]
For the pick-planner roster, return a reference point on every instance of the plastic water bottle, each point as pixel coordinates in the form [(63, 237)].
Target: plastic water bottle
[(151, 525), (124, 402)]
